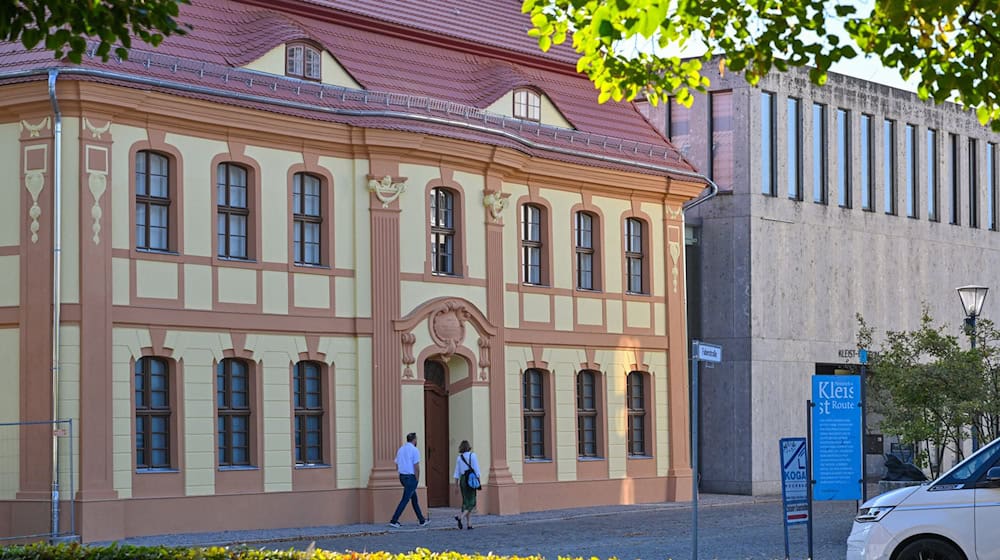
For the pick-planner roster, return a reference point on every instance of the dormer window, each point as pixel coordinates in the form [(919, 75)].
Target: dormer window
[(302, 61), (527, 105)]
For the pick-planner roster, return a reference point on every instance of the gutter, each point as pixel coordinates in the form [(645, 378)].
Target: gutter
[(200, 90), (56, 288)]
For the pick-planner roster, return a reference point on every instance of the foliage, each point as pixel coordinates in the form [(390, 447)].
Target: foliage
[(931, 390), (64, 26), (950, 45), (76, 551)]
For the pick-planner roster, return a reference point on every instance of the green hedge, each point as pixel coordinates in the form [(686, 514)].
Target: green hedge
[(117, 552)]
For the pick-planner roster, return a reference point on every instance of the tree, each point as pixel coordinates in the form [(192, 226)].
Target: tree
[(931, 391), (953, 46), (64, 26)]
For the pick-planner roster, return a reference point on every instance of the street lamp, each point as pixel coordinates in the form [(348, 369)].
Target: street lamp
[(972, 302)]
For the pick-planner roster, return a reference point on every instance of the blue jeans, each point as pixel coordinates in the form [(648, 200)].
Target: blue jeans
[(409, 483)]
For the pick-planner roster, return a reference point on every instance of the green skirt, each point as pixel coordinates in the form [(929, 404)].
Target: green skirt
[(468, 494)]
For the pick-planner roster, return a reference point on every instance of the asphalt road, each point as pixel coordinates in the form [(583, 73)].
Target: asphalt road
[(751, 531)]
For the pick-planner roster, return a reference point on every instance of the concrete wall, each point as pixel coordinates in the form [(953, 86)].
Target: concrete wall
[(782, 279)]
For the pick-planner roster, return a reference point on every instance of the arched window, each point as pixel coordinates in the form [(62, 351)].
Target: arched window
[(152, 413), (635, 256), (533, 395), (443, 231), (434, 373), (586, 253), (307, 216), (233, 407), (532, 244), (587, 414), (527, 105), (233, 211), (152, 201), (309, 410), (637, 395), (303, 61)]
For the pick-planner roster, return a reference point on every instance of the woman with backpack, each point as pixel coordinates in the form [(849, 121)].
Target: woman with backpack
[(468, 481)]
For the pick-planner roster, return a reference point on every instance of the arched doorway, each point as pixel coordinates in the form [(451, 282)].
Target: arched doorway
[(436, 433)]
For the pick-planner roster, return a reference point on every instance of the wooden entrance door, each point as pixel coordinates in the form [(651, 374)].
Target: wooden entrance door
[(437, 461)]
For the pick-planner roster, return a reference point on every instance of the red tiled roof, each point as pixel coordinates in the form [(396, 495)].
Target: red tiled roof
[(466, 20), (401, 76)]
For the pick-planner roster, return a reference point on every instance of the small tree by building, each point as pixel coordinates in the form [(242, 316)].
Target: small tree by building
[(932, 391)]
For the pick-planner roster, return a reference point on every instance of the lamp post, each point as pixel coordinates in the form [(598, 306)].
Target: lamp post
[(972, 302)]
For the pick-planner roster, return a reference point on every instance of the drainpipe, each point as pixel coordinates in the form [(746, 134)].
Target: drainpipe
[(56, 290)]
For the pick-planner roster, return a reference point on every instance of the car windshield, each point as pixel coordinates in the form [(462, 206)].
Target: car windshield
[(967, 470)]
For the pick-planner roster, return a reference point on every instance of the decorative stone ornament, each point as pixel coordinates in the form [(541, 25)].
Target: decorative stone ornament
[(387, 189), (447, 325), (495, 202), (408, 339)]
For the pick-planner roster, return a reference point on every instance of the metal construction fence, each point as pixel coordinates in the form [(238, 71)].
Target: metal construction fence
[(39, 513)]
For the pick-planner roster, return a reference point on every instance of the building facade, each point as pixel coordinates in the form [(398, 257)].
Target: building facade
[(851, 198), (286, 239)]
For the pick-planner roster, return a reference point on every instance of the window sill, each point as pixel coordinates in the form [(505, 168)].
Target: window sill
[(590, 459), (235, 260), (163, 252), (446, 275), (238, 468), (538, 460), (640, 457), (309, 466), (157, 471), (310, 266), (636, 294)]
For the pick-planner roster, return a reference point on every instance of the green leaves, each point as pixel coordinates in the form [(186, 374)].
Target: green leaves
[(950, 45), (65, 26)]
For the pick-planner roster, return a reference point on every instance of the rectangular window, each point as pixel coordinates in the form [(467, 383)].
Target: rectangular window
[(531, 243), (152, 201), (586, 413), (867, 158), (584, 251), (232, 390), (533, 408), (231, 197), (307, 218), (973, 183), (636, 397), (794, 143), (819, 155), (843, 158), (442, 231), (910, 153), (954, 179), (634, 258), (767, 152), (932, 183), (308, 398), (991, 186), (722, 139), (152, 414), (889, 165)]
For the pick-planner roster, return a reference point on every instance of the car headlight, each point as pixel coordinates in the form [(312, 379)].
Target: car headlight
[(872, 514)]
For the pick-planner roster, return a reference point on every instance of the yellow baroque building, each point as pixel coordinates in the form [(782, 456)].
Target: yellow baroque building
[(295, 234)]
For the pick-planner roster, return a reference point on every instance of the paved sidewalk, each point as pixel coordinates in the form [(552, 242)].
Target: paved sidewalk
[(441, 519)]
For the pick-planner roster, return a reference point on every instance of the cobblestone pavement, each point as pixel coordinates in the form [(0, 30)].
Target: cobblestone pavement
[(730, 527)]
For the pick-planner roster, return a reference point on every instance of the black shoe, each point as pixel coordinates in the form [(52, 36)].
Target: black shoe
[(469, 527), (459, 519)]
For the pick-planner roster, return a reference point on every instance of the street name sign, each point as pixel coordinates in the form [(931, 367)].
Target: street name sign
[(708, 352), (836, 437)]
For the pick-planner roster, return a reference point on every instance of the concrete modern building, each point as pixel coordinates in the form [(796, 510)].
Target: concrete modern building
[(282, 241), (851, 198)]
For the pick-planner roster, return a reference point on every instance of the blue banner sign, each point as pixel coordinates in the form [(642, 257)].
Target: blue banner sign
[(836, 437), (794, 496)]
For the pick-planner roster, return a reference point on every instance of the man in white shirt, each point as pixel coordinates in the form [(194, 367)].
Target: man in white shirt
[(408, 465)]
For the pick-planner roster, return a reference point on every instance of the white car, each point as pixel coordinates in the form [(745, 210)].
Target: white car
[(956, 517)]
